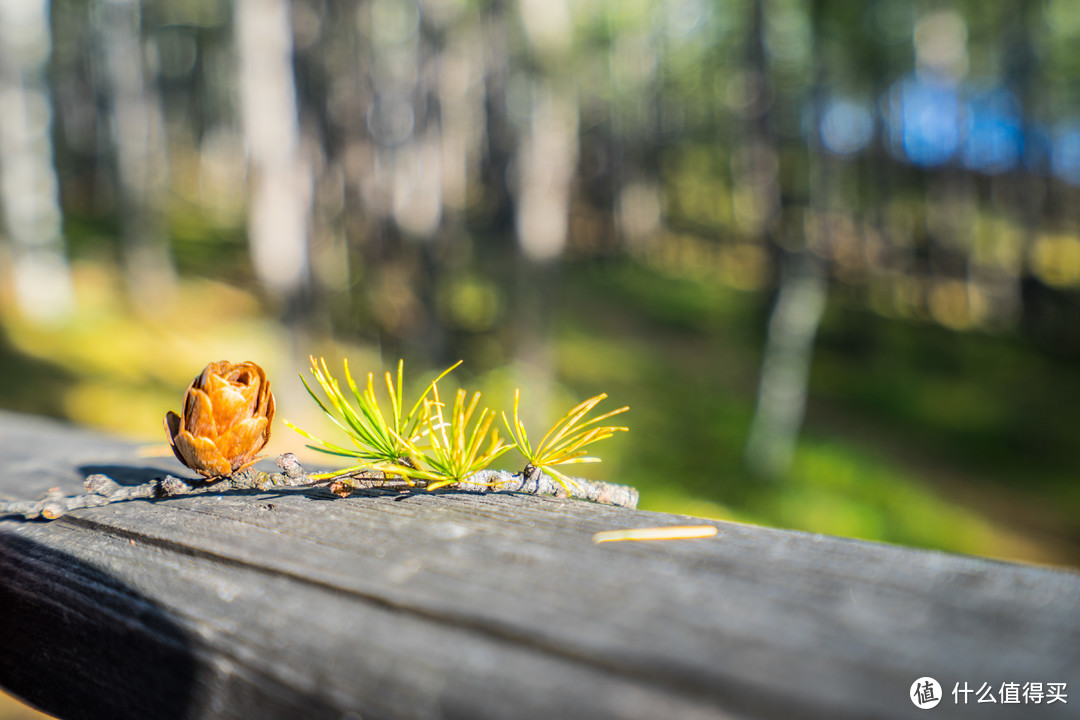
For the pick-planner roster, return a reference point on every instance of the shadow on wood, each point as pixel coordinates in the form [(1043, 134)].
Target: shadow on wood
[(124, 474), (80, 644)]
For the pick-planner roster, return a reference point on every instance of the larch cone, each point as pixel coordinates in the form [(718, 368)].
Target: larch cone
[(225, 421)]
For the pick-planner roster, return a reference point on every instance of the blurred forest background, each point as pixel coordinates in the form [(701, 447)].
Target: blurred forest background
[(827, 251)]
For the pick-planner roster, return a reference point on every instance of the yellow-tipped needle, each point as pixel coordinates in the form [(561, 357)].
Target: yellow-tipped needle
[(677, 532)]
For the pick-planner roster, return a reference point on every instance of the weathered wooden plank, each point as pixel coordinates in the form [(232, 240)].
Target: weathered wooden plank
[(453, 605)]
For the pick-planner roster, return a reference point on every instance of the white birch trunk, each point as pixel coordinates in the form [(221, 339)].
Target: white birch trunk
[(547, 158), (547, 161), (785, 370), (29, 188), (139, 136), (280, 175), (461, 105)]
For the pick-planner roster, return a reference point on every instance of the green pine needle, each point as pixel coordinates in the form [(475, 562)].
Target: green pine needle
[(453, 452), (565, 442), (381, 440), (431, 444)]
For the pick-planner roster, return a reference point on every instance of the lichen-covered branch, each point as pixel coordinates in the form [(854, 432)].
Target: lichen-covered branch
[(532, 482), (536, 482), (103, 490)]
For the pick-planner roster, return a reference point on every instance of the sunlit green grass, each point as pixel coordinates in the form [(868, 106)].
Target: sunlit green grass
[(929, 392)]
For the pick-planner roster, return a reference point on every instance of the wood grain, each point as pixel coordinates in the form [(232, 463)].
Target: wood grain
[(300, 604)]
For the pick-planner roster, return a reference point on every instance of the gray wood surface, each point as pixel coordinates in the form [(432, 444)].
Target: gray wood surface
[(300, 604)]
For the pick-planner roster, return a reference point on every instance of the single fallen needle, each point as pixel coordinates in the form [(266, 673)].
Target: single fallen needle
[(677, 532)]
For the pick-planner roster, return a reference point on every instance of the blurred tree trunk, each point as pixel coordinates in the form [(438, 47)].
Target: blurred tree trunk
[(546, 161), (546, 164), (635, 128), (785, 369), (465, 269), (280, 174), (350, 91), (500, 137), (138, 131), (460, 82), (1025, 190), (493, 209), (419, 206), (323, 38), (29, 188), (393, 162), (800, 303)]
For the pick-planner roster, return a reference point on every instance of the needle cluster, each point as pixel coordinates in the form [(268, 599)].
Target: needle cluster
[(438, 444)]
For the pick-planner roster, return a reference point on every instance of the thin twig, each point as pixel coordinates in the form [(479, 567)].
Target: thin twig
[(103, 490)]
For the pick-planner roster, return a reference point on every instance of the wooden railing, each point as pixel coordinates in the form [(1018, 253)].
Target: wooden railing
[(302, 604)]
